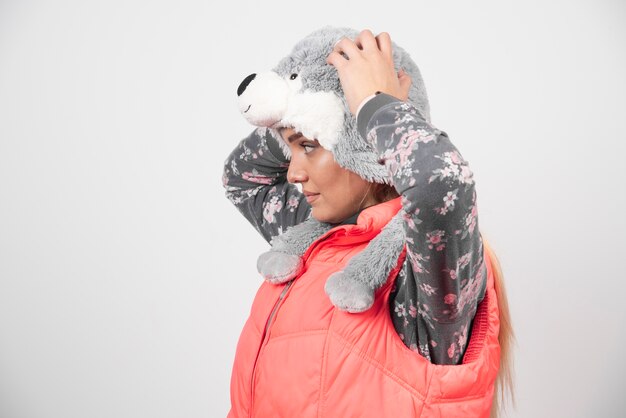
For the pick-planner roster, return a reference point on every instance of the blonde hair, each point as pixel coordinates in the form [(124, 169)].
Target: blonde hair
[(506, 338)]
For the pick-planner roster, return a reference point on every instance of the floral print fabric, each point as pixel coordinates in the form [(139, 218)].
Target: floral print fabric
[(443, 279)]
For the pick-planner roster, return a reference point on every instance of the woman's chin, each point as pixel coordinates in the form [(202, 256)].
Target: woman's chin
[(323, 216), (320, 215), (317, 216)]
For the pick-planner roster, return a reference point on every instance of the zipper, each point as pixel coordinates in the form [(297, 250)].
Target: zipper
[(270, 319), (280, 298), (310, 251)]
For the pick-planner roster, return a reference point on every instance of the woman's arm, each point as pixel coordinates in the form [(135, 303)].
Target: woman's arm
[(436, 301), (255, 179), (437, 294)]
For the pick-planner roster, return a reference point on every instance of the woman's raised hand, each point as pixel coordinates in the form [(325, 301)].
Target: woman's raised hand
[(367, 67)]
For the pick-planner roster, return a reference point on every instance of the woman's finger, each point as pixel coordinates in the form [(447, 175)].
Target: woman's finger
[(366, 41), (384, 44), (336, 60), (348, 47)]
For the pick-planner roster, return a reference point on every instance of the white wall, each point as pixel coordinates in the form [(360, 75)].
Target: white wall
[(126, 276)]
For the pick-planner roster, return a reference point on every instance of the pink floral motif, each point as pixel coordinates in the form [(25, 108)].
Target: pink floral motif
[(398, 158), (448, 202), (469, 293), (425, 314), (419, 135), (405, 107), (453, 273), (451, 350), (410, 221), (463, 337), (416, 261), (271, 208), (400, 310), (455, 169), (436, 239), (470, 222), (458, 343), (450, 197), (427, 289), (255, 177), (466, 174), (424, 351), (449, 299), (463, 261), (292, 203)]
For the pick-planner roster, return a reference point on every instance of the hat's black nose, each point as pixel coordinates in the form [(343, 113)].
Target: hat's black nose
[(244, 84)]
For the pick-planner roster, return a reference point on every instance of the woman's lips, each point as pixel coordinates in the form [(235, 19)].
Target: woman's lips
[(311, 197)]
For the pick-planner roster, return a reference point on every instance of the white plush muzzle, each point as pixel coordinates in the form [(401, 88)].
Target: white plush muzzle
[(272, 101)]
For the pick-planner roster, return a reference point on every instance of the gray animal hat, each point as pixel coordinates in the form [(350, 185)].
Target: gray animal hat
[(304, 92)]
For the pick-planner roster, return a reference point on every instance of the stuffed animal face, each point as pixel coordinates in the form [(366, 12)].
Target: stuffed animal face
[(275, 100), (303, 92)]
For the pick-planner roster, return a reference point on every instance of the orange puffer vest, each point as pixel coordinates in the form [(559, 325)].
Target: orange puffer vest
[(299, 357)]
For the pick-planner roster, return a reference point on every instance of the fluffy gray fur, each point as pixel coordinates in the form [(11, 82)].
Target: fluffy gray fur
[(373, 264), (277, 267), (284, 261), (298, 238), (353, 288)]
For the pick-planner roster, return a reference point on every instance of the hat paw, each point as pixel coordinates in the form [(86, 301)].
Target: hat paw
[(348, 294), (277, 267)]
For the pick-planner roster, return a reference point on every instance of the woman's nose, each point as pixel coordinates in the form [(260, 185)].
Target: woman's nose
[(295, 173)]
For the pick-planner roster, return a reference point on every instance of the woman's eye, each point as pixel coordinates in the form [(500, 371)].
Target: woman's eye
[(307, 148)]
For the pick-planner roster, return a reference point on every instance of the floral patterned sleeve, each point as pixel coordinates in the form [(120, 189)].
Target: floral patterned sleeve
[(255, 179), (435, 296)]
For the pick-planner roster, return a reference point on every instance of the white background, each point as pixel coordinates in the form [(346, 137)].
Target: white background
[(125, 274)]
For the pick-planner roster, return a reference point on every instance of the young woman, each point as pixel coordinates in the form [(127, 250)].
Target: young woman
[(438, 334)]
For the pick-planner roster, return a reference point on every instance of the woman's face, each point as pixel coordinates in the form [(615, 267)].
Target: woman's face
[(333, 192)]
